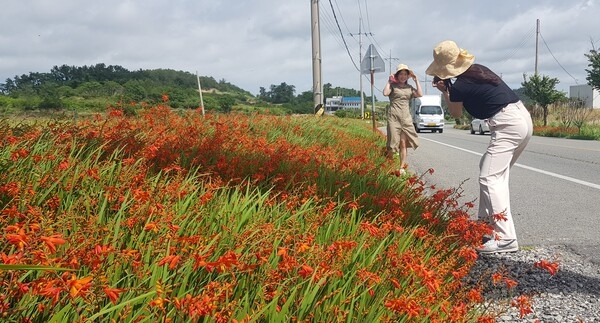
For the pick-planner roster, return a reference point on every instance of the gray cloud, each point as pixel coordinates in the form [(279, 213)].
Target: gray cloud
[(257, 43)]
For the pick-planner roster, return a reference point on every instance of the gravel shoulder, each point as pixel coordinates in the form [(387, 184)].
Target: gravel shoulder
[(570, 295)]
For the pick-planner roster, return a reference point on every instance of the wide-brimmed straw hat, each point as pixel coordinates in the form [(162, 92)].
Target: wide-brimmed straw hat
[(404, 67), (449, 60)]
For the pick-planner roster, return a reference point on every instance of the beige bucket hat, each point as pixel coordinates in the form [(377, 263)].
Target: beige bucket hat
[(449, 60), (404, 67)]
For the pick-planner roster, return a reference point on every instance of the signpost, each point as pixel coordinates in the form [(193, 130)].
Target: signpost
[(372, 63)]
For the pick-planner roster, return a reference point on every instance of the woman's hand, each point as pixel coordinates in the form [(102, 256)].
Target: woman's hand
[(440, 85), (392, 79)]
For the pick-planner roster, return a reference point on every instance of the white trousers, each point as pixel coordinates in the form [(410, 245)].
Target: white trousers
[(511, 129)]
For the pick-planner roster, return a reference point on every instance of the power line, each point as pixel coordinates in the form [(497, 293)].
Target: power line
[(557, 59), (390, 58), (330, 25), (360, 12), (340, 29), (364, 76), (524, 41), (342, 16), (368, 34), (345, 44), (367, 11)]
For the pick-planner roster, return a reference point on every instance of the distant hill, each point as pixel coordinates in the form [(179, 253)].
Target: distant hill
[(95, 87), (73, 77), (98, 86)]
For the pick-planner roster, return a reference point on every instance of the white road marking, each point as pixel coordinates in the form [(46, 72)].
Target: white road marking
[(541, 171)]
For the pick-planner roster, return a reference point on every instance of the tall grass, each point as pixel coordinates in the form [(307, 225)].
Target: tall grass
[(225, 218), (588, 132)]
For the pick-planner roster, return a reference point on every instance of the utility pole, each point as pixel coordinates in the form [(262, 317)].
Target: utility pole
[(360, 58), (200, 91), (371, 64), (390, 59), (316, 58), (537, 35), (425, 84)]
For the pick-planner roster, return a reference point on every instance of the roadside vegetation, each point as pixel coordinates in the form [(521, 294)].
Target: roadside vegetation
[(564, 120), (86, 89), (244, 218)]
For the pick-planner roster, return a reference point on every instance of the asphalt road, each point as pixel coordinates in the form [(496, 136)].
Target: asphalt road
[(554, 187)]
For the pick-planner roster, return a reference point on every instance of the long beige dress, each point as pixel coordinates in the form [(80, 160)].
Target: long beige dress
[(399, 118)]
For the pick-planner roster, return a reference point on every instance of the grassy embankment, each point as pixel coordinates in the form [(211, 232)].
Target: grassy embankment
[(171, 217)]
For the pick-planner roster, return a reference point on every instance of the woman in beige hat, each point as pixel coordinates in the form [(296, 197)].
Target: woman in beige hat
[(485, 96), (401, 132)]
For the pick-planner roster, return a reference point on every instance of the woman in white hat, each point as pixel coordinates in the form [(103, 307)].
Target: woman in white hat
[(485, 96), (401, 132)]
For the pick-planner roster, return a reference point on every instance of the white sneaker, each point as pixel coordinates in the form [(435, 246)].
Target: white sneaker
[(498, 246)]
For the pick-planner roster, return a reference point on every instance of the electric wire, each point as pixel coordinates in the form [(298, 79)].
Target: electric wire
[(522, 44), (370, 35), (342, 34), (367, 13), (559, 64), (345, 44), (342, 16), (359, 12), (330, 26)]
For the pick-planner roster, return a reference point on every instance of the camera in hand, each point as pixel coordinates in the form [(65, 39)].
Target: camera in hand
[(447, 82)]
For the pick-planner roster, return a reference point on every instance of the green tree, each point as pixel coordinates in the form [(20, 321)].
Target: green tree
[(64, 91), (282, 93), (226, 102), (329, 91), (593, 77), (49, 94), (112, 88), (541, 89), (305, 97), (90, 89), (135, 91)]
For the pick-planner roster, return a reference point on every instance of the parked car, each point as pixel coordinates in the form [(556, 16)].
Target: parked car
[(480, 126), (427, 113)]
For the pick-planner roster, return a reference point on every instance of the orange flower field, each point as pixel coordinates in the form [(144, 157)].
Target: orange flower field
[(179, 217)]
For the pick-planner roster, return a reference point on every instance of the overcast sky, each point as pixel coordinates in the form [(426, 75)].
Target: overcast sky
[(257, 43)]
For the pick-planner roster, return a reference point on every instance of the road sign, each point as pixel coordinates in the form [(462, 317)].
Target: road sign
[(371, 64), (372, 61)]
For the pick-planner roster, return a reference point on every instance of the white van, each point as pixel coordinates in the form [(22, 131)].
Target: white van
[(427, 113)]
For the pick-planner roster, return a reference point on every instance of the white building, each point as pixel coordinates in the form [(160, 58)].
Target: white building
[(585, 92), (341, 102), (333, 104)]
